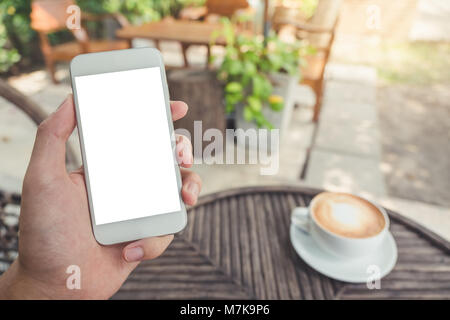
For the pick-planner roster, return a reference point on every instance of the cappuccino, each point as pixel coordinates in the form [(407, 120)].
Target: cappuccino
[(347, 215)]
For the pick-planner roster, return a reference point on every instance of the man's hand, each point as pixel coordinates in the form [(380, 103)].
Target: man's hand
[(55, 226)]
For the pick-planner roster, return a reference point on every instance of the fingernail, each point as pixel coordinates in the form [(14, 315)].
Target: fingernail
[(134, 254), (193, 188)]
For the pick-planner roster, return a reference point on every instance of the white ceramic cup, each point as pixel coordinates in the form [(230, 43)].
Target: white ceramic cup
[(335, 244)]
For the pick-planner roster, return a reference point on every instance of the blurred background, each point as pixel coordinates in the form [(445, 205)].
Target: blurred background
[(368, 112)]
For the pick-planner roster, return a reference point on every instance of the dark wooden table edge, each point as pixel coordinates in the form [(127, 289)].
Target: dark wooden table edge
[(430, 235)]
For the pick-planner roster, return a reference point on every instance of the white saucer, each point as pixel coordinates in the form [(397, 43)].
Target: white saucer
[(349, 270)]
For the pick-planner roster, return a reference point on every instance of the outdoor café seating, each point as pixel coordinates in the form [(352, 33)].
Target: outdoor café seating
[(355, 94)]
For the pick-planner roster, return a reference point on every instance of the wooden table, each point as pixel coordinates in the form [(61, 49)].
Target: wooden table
[(186, 32), (236, 245)]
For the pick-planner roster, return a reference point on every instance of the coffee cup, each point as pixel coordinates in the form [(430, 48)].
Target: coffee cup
[(343, 224)]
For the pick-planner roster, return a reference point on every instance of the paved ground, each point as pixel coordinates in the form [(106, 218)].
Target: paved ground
[(346, 151), (432, 21), (415, 135), (368, 136)]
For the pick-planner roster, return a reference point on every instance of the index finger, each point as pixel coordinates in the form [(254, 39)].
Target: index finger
[(179, 109)]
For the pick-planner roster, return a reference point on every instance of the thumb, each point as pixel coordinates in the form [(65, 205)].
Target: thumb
[(146, 249), (48, 156)]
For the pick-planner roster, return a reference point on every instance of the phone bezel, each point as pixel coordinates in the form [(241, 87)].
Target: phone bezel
[(123, 60)]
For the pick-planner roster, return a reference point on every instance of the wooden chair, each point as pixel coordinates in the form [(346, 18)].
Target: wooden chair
[(319, 31), (48, 16)]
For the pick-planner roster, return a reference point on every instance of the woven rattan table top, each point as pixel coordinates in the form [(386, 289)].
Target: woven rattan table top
[(236, 246)]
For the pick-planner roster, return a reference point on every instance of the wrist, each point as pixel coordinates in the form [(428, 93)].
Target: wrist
[(16, 285)]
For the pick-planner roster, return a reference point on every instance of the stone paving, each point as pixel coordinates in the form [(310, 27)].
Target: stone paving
[(346, 152), (416, 149), (432, 22)]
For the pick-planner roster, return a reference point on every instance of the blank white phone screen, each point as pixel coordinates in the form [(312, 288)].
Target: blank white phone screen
[(127, 143)]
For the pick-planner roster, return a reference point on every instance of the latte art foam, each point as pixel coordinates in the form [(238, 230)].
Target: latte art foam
[(347, 215)]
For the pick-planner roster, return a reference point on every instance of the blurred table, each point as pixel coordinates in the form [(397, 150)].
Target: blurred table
[(186, 32), (236, 245)]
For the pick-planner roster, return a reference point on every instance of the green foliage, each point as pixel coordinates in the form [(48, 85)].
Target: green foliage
[(17, 39), (308, 7), (246, 69), (138, 10), (134, 10), (7, 56), (15, 31)]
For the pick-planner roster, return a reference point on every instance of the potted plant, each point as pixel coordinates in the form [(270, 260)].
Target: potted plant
[(259, 77)]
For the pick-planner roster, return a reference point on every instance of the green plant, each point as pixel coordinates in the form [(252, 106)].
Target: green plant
[(246, 69), (308, 7), (7, 56), (138, 10), (18, 40), (15, 32), (134, 10)]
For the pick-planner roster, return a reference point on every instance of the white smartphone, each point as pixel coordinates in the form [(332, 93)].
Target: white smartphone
[(127, 143)]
